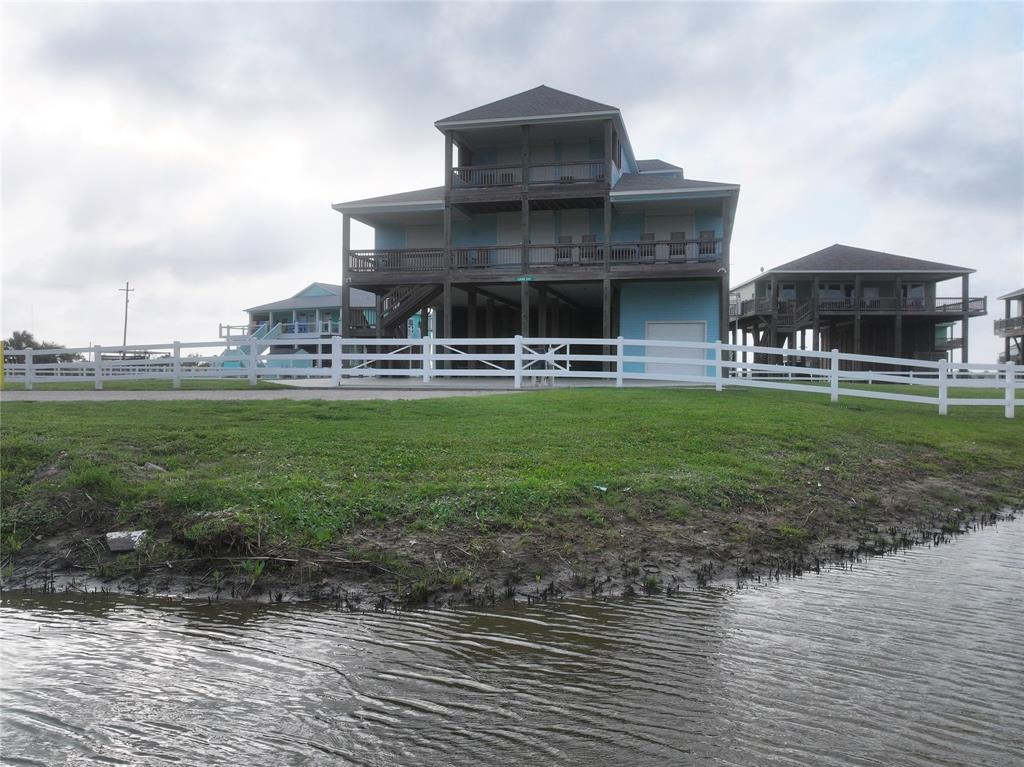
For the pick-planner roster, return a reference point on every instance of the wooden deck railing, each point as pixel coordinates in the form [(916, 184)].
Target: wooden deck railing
[(479, 176), (951, 306), (1011, 326), (507, 257)]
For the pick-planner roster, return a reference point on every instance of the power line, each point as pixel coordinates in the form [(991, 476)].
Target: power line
[(124, 340)]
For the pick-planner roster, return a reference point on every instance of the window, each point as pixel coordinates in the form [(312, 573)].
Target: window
[(787, 291), (707, 242)]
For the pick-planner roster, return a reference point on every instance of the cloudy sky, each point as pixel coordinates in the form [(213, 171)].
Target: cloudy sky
[(195, 149)]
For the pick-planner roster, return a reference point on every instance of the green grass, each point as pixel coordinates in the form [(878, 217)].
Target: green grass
[(147, 385), (242, 476)]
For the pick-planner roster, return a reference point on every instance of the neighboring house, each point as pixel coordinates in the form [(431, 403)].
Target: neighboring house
[(312, 312), (1011, 327), (859, 301), (547, 225)]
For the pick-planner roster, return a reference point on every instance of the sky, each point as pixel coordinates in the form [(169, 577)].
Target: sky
[(195, 149)]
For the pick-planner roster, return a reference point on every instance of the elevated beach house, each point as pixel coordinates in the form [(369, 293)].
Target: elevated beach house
[(546, 225), (858, 301), (1011, 327)]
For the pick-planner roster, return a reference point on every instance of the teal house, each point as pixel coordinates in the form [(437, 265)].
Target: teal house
[(546, 225)]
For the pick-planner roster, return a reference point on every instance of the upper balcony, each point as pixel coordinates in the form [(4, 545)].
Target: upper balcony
[(547, 180), (1010, 327), (796, 312), (509, 261)]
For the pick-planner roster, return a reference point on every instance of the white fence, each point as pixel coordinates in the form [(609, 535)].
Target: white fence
[(536, 361)]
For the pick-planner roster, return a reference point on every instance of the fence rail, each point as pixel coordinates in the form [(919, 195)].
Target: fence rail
[(622, 361)]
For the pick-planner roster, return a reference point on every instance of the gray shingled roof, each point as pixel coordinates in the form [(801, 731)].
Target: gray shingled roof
[(655, 166), (360, 298), (661, 182), (433, 194), (541, 101), (845, 258), (1019, 293)]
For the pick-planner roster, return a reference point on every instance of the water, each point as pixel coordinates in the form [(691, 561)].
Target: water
[(911, 659)]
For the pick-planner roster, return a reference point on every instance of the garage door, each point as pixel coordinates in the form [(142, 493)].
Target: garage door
[(676, 331)]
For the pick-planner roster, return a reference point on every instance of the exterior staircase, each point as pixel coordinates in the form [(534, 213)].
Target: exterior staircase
[(396, 307)]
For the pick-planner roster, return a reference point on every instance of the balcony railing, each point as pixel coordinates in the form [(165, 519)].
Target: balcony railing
[(1011, 326), (950, 306), (510, 257), (482, 176), (401, 260)]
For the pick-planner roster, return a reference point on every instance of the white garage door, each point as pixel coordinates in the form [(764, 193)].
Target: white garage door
[(676, 331)]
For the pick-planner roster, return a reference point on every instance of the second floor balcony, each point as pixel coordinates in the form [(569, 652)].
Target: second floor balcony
[(1010, 326), (797, 311), (548, 174), (511, 259)]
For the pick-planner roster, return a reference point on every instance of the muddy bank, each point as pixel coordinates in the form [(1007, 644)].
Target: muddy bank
[(617, 553)]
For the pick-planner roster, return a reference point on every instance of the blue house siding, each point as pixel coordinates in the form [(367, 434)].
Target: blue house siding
[(643, 302), (388, 237)]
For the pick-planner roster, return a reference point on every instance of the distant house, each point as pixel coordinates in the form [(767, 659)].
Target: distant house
[(858, 301), (1011, 327), (548, 225)]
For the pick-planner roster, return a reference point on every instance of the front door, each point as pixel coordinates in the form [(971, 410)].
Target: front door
[(676, 331)]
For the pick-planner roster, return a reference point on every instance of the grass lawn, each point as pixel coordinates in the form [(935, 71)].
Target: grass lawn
[(146, 385), (738, 465)]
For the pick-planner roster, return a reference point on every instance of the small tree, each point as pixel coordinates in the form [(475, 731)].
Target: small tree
[(22, 339)]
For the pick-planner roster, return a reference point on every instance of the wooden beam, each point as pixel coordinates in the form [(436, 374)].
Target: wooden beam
[(524, 157), (524, 309), (815, 294), (448, 139), (606, 308), (495, 297), (966, 307), (858, 292), (524, 225), (447, 309), (542, 311), (471, 330), (489, 319), (563, 298)]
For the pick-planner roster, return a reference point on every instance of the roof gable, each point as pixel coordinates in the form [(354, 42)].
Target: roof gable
[(318, 289), (846, 258), (541, 101)]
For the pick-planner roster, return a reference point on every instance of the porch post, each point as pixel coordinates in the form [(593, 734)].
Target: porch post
[(607, 232), (524, 158), (489, 319), (524, 309), (606, 324), (378, 322), (344, 321), (898, 320), (857, 291), (524, 226), (773, 307), (815, 291), (965, 317), (542, 311), (723, 309), (447, 309), (448, 141), (1007, 340), (471, 329)]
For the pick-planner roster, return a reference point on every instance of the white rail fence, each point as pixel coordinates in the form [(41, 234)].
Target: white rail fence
[(535, 361)]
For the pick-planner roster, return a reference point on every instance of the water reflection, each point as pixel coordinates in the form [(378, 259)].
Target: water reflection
[(910, 659)]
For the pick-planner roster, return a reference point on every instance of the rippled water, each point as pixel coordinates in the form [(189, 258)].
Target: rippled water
[(912, 659)]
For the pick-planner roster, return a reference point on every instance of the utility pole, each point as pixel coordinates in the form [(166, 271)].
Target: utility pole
[(124, 340)]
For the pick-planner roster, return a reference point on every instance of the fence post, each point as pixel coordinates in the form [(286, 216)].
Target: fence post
[(253, 354), (97, 366), (718, 365), (428, 356), (335, 360), (517, 362), (620, 353), (943, 395), (176, 366), (833, 379), (1010, 384), (28, 370)]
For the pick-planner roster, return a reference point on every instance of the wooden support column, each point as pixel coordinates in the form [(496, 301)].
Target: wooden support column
[(447, 309), (524, 157), (1007, 316), (966, 308), (815, 302), (424, 322), (542, 311), (489, 319), (471, 328), (723, 309), (607, 250), (448, 141), (858, 292), (525, 235), (524, 309), (344, 321), (379, 321), (773, 319), (897, 322), (606, 316)]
